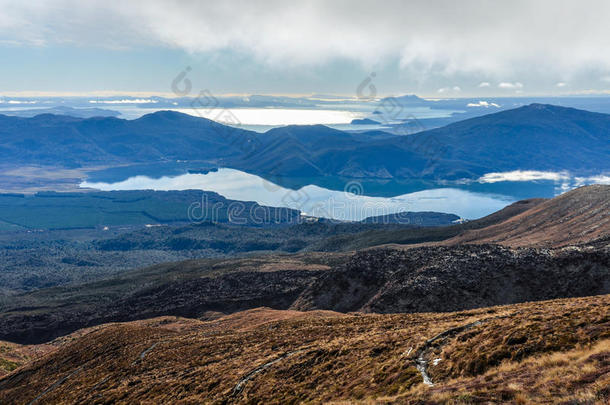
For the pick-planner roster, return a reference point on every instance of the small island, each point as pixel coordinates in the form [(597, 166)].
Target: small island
[(365, 121)]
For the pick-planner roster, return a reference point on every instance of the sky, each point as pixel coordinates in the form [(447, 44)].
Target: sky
[(436, 49)]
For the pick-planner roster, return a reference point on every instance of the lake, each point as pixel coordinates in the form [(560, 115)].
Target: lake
[(345, 199), (349, 204), (263, 119)]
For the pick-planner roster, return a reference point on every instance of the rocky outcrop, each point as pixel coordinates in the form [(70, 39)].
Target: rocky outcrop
[(191, 298), (439, 279), (424, 279)]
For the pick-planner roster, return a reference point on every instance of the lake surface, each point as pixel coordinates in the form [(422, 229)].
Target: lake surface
[(263, 119), (348, 204), (342, 198)]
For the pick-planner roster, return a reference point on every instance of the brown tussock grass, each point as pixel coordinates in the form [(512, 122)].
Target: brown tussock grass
[(324, 357)]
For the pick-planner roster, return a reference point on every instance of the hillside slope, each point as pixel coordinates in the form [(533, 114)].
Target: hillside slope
[(542, 352), (378, 280), (452, 278), (58, 140), (578, 216), (533, 137)]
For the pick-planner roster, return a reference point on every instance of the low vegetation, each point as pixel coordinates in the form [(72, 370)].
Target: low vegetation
[(51, 210), (421, 279), (42, 258), (546, 352)]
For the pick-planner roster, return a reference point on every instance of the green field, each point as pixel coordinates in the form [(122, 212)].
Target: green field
[(51, 210)]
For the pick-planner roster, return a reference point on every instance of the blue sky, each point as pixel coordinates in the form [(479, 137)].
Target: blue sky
[(433, 49)]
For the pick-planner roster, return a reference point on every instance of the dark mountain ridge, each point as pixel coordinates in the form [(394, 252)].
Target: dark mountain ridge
[(534, 137), (67, 141), (64, 110)]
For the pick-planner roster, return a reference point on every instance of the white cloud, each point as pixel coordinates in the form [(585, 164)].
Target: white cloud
[(561, 84), (482, 103), (484, 84), (509, 85), (599, 179), (454, 89), (125, 101), (523, 175), (20, 102)]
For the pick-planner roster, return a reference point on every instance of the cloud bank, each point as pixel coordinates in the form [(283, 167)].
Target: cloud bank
[(498, 41), (508, 85), (483, 103), (523, 175)]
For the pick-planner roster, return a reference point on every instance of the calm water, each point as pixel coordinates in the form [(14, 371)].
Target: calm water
[(338, 116), (348, 204)]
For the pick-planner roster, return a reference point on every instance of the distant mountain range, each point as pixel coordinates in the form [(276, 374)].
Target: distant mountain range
[(63, 110), (534, 137), (60, 140)]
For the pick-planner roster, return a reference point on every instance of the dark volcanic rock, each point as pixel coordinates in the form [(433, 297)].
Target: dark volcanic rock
[(424, 279), (189, 298), (439, 279)]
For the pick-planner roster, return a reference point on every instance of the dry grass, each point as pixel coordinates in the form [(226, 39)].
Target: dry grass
[(13, 355), (329, 357), (578, 216), (578, 376)]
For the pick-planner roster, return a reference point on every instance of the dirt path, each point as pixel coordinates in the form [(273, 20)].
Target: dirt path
[(54, 385), (145, 352), (251, 374)]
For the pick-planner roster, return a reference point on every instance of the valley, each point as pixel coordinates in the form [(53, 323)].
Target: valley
[(374, 279), (345, 202), (114, 296)]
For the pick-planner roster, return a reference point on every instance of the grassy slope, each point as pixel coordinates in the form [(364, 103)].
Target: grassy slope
[(578, 216), (525, 353)]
